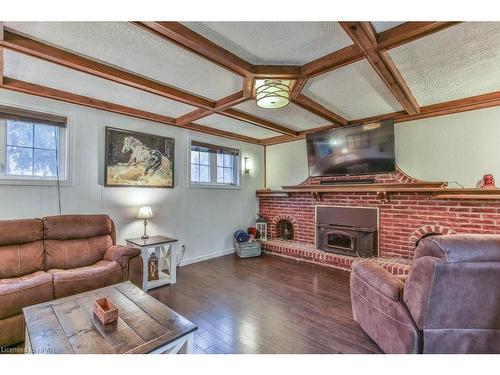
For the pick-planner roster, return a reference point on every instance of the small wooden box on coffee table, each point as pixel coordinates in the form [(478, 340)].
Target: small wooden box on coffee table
[(144, 325)]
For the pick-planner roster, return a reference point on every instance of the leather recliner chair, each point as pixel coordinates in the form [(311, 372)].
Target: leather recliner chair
[(448, 303), (54, 257)]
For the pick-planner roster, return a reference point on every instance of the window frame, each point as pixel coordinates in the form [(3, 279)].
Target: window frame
[(64, 155), (213, 184)]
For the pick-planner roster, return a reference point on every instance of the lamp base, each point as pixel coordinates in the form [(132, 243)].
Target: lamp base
[(144, 237)]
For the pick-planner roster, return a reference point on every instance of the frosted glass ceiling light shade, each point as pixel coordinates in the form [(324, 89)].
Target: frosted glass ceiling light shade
[(273, 93)]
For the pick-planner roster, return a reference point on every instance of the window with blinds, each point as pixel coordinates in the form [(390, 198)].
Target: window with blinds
[(33, 145), (214, 165)]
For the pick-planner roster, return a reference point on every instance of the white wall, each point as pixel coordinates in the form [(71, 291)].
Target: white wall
[(202, 219), (460, 147)]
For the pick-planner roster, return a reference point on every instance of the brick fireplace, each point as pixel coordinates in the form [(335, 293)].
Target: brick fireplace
[(404, 218)]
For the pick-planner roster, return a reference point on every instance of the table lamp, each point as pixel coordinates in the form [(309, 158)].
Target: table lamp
[(145, 213)]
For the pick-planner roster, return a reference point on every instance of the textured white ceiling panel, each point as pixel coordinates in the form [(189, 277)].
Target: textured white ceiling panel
[(458, 62), (37, 71), (235, 126), (275, 42), (291, 116), (353, 91), (380, 26), (132, 48)]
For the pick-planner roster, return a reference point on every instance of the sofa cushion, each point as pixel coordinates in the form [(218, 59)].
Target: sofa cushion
[(14, 232), (68, 227), (78, 280), (21, 247), (73, 253), (19, 292), (21, 259)]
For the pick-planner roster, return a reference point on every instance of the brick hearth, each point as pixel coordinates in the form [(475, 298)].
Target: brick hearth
[(403, 220)]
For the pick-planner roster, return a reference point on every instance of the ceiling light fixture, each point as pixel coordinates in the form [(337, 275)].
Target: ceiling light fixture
[(272, 93)]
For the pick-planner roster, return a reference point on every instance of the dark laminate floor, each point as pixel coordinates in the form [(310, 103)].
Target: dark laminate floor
[(266, 305)]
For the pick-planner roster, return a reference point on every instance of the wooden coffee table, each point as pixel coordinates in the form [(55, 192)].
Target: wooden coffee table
[(144, 325)]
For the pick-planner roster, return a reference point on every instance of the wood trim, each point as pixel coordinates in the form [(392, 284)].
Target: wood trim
[(254, 120), (297, 87), (488, 100), (222, 133), (292, 72), (364, 37), (231, 100), (408, 32), (47, 92), (316, 108), (192, 116), (43, 51), (334, 60), (184, 37), (248, 87)]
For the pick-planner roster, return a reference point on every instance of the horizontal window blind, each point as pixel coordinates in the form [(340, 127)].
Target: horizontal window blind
[(214, 149), (10, 113)]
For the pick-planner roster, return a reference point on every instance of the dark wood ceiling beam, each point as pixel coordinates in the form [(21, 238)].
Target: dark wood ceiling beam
[(231, 100), (408, 32), (193, 116), (334, 60), (43, 51), (186, 38), (257, 121), (47, 92), (319, 110), (363, 35), (440, 109), (297, 87), (277, 71)]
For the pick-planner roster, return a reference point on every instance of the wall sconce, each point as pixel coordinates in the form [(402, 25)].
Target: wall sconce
[(248, 164)]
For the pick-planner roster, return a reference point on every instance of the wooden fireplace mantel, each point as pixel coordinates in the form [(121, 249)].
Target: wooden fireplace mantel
[(438, 190)]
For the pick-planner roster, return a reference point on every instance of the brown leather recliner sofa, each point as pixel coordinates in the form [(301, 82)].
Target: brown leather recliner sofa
[(57, 256), (449, 303)]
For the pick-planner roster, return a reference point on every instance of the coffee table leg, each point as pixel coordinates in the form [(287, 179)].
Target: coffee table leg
[(188, 347)]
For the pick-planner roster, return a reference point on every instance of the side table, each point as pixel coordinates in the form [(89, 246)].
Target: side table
[(165, 249)]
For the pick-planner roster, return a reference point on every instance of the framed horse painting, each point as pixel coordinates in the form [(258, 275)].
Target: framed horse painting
[(138, 159)]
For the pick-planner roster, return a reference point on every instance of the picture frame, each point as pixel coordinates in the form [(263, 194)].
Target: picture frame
[(136, 159)]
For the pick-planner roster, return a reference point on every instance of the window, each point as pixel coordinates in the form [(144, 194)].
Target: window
[(31, 148), (213, 165)]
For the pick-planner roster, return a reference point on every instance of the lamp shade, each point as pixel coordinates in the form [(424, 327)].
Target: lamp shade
[(145, 213), (272, 93)]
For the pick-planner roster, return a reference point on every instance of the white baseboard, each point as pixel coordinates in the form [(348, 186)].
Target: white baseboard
[(206, 257)]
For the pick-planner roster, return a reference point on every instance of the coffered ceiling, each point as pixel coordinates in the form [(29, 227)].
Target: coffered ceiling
[(200, 76), (276, 43)]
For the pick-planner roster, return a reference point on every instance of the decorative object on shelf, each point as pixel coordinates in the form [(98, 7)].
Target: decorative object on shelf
[(488, 182), (261, 225), (138, 159), (273, 93), (153, 267), (248, 164), (145, 213), (105, 311)]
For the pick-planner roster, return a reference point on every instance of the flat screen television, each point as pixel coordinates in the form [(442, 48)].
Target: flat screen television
[(352, 150)]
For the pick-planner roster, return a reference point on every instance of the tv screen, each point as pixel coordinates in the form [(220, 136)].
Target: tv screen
[(352, 150)]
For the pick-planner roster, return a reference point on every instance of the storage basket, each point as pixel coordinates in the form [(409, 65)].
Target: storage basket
[(248, 249)]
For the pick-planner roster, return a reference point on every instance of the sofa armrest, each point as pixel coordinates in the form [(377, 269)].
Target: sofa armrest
[(131, 261), (121, 254), (379, 279)]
